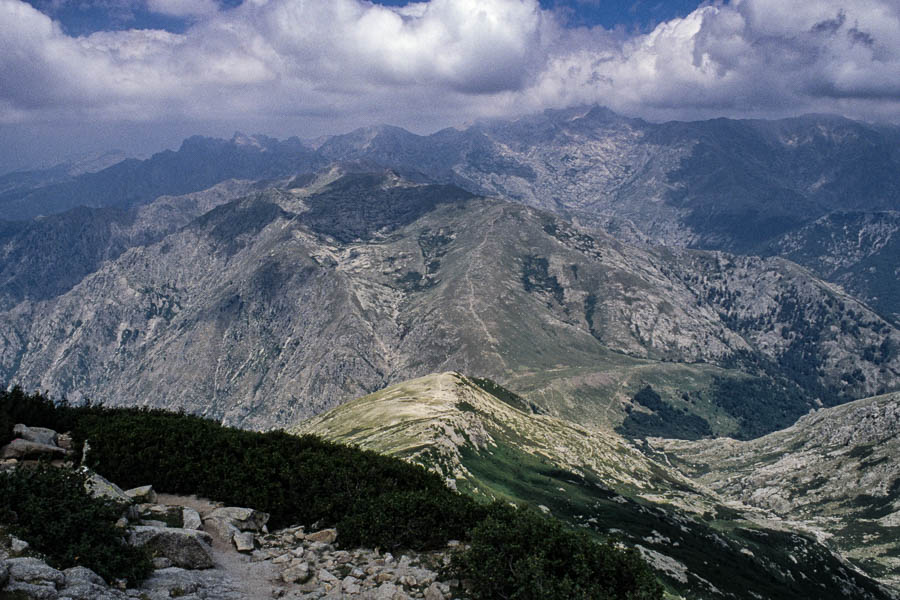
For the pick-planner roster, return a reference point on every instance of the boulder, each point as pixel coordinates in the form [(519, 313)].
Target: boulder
[(186, 548), (4, 574), (389, 591), (325, 536), (171, 515), (298, 573), (350, 585), (433, 592), (100, 487), (39, 435), (23, 449), (34, 571), (221, 528), (17, 546), (31, 578), (30, 591), (244, 541), (191, 519), (84, 584), (143, 494), (244, 519), (82, 575)]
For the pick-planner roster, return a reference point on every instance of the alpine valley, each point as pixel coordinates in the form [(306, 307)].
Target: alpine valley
[(682, 334)]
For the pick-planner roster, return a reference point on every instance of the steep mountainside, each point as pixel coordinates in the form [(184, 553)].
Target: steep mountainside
[(199, 164), (31, 180), (858, 250), (45, 258), (286, 302), (718, 184), (835, 470), (754, 187), (489, 442)]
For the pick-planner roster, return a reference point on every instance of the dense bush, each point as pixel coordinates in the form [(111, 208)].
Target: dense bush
[(50, 508), (522, 555), (417, 520), (298, 480)]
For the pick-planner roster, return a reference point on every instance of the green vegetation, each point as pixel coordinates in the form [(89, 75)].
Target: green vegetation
[(417, 520), (536, 277), (371, 499), (298, 480), (521, 555), (760, 405), (50, 508), (664, 421)]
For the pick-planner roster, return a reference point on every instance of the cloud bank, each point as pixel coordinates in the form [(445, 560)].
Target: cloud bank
[(320, 65)]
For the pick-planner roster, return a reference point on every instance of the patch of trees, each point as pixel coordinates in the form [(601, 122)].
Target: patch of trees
[(760, 405), (665, 421)]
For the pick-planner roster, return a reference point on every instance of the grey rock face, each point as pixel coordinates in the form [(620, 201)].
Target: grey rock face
[(32, 578), (244, 519), (194, 585), (84, 584), (834, 469), (100, 487), (39, 435), (191, 519), (23, 449), (82, 575), (244, 541), (186, 548), (34, 571), (143, 494), (336, 290)]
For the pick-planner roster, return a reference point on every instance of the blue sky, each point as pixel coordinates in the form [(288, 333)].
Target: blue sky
[(88, 16), (82, 76)]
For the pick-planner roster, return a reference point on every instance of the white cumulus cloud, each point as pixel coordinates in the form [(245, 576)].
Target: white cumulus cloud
[(307, 66)]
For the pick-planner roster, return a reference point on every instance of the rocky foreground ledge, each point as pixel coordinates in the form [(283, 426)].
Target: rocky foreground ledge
[(204, 550)]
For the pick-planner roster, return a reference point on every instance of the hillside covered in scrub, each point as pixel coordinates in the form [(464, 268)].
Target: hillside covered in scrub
[(371, 501)]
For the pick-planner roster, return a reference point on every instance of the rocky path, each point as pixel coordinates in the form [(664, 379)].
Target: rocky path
[(205, 551), (235, 575)]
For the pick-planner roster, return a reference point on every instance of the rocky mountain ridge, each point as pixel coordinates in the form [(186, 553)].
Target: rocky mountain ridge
[(835, 471), (750, 187), (492, 444), (291, 300), (858, 250)]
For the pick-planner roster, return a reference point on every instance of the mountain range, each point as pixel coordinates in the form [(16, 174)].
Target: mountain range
[(692, 327), (747, 186), (291, 300)]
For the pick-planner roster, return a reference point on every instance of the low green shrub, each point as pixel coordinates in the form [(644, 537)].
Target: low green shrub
[(50, 509), (416, 520), (298, 480), (518, 554)]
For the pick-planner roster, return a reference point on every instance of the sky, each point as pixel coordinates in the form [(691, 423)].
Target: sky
[(83, 76)]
